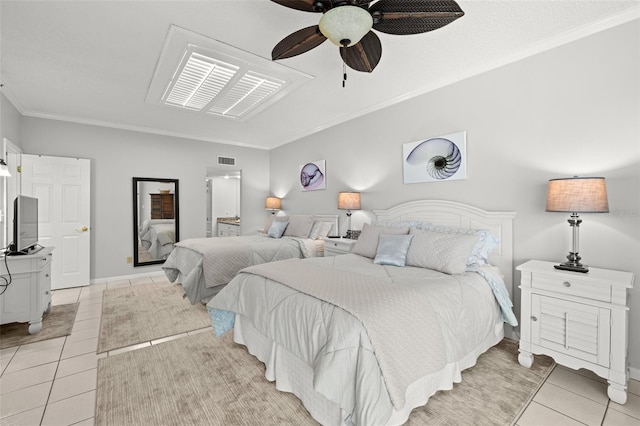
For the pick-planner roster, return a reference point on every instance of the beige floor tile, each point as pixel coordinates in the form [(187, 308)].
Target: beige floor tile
[(8, 353), (86, 324), (39, 346), (539, 415), (25, 378), (129, 348), (634, 387), (77, 364), (200, 330), (24, 399), (79, 348), (160, 278), (167, 339), (93, 291), (71, 410), (141, 281), (616, 418), (64, 296), (87, 315), (581, 384), (88, 422), (571, 404), (33, 359), (583, 372), (88, 333), (75, 384), (26, 418), (630, 408), (90, 305)]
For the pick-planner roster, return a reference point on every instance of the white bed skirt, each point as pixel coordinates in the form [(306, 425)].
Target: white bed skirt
[(293, 375)]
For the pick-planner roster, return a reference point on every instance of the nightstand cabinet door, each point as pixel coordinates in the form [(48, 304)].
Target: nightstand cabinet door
[(574, 329)]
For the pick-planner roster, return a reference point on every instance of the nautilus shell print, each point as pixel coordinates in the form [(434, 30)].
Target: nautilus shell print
[(312, 176), (435, 159)]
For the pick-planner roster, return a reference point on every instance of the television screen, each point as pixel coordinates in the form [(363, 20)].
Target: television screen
[(25, 223)]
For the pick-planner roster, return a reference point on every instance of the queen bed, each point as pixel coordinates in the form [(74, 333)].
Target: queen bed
[(204, 265), (363, 338)]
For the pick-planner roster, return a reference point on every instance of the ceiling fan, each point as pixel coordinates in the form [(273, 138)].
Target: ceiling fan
[(349, 23)]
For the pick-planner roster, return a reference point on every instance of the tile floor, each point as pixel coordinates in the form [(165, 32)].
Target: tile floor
[(54, 382)]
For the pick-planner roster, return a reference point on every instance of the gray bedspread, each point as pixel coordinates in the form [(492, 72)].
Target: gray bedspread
[(202, 265)]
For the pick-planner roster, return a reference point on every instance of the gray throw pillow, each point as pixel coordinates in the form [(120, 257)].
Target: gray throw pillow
[(299, 226), (277, 228)]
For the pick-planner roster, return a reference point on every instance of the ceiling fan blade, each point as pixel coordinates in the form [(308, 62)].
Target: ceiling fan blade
[(299, 42), (304, 5), (413, 16), (364, 55)]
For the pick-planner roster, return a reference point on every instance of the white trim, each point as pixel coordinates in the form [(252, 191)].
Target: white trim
[(125, 277)]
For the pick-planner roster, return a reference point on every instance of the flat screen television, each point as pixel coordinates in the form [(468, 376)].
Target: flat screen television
[(25, 224)]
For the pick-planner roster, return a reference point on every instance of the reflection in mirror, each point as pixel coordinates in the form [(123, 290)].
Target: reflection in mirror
[(223, 202), (155, 219)]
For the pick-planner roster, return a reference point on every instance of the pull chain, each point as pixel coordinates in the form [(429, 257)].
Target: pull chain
[(344, 73)]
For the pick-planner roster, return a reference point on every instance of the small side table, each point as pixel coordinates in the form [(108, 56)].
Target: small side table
[(337, 246)]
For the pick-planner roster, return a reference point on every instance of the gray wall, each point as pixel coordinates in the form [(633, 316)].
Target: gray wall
[(573, 110), (118, 155), (10, 120)]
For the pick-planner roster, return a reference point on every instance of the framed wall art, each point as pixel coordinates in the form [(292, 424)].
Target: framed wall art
[(313, 176), (435, 159)]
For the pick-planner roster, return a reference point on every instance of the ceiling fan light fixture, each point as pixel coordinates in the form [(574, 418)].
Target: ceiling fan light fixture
[(345, 24)]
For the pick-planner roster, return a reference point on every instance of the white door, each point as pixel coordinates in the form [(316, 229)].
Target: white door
[(62, 187)]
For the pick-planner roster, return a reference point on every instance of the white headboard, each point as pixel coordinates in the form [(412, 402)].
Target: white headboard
[(461, 216)]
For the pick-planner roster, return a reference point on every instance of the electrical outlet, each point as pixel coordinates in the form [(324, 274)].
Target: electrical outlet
[(129, 259)]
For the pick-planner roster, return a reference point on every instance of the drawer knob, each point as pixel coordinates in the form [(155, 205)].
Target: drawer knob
[(566, 284), (534, 318)]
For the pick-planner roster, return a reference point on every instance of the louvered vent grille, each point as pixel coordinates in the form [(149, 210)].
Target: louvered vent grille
[(250, 90), (226, 161)]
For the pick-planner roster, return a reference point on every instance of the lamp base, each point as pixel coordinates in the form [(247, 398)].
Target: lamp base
[(572, 267)]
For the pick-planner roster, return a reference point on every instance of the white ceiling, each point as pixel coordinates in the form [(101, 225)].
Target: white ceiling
[(93, 61)]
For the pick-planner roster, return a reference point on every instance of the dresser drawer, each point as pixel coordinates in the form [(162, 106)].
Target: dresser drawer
[(572, 286)]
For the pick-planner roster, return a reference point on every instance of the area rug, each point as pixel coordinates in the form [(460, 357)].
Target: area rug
[(201, 380), (57, 323), (141, 313)]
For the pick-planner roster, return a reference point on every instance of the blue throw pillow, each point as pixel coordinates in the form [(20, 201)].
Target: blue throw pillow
[(392, 249), (277, 228)]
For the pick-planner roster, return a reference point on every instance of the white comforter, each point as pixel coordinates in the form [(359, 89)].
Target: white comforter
[(336, 345)]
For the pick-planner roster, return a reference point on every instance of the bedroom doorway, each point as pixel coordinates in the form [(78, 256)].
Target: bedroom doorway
[(224, 188)]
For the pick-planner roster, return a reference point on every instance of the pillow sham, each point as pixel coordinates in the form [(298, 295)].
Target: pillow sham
[(367, 243), (277, 228), (299, 226), (442, 252), (320, 230), (392, 249), (485, 245)]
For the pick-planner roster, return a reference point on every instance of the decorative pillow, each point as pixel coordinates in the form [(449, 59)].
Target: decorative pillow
[(320, 230), (442, 252), (392, 249), (299, 226), (367, 243), (277, 228), (271, 219)]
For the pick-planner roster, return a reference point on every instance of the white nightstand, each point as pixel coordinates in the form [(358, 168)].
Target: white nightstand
[(336, 246), (578, 319)]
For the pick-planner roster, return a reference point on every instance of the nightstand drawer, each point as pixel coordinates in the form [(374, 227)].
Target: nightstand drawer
[(337, 246), (572, 286)]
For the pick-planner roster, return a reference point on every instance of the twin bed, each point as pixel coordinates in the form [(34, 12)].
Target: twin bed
[(158, 237), (360, 338)]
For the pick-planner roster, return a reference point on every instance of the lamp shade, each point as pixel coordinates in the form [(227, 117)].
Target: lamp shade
[(345, 24), (273, 203), (349, 201), (577, 195)]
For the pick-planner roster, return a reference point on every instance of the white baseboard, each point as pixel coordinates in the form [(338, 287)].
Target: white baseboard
[(126, 277)]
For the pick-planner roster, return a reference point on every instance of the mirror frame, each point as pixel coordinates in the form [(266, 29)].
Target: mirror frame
[(176, 216)]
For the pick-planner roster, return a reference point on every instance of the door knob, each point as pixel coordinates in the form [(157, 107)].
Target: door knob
[(83, 229)]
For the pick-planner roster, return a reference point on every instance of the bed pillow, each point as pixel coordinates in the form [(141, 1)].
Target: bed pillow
[(271, 219), (367, 243), (486, 243), (320, 230), (442, 252), (392, 249), (277, 228), (299, 226)]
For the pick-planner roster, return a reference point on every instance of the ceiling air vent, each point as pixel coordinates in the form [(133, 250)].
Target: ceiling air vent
[(226, 161), (205, 76)]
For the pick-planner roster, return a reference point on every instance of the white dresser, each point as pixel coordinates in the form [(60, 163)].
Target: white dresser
[(228, 229), (336, 246), (578, 319), (28, 295)]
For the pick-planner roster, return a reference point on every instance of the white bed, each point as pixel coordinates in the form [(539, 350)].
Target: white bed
[(204, 265), (331, 350), (158, 237)]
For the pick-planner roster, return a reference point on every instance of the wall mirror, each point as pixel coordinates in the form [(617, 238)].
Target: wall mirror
[(223, 202), (155, 219)]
